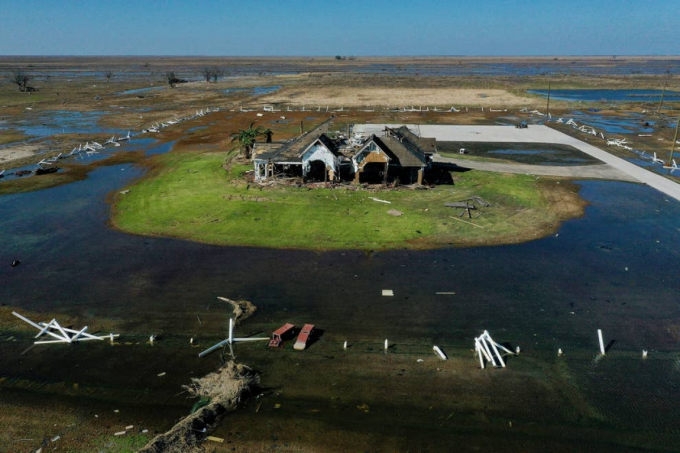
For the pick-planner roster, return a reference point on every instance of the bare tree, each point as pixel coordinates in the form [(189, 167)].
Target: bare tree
[(108, 74), (212, 74), (21, 79), (217, 73), (172, 79)]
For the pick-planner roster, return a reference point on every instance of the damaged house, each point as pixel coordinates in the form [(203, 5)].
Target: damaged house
[(397, 155), (313, 155)]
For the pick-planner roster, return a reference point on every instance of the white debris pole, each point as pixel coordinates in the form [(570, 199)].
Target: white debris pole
[(62, 334), (599, 336), (344, 346), (387, 345), (439, 352), (487, 348), (230, 341), (479, 352)]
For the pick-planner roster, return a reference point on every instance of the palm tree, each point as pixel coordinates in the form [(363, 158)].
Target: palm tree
[(247, 137)]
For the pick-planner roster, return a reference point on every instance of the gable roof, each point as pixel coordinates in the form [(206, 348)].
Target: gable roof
[(402, 145), (426, 145), (292, 151)]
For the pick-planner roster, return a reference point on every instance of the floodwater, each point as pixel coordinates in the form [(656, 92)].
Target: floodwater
[(616, 269), (255, 91), (609, 95), (53, 122)]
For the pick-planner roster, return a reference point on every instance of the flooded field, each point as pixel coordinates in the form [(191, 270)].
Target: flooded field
[(615, 269), (609, 95)]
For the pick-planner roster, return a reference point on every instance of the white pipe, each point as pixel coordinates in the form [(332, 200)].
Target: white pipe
[(75, 337), (493, 346), (488, 351), (387, 345), (478, 342), (231, 330), (439, 352), (479, 352), (45, 329), (599, 335)]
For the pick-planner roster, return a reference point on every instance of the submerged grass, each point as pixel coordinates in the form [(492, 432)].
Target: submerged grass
[(191, 196)]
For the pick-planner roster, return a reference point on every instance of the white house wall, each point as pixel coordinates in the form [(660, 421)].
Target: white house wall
[(319, 152)]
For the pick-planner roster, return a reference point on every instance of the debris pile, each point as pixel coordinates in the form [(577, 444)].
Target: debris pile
[(224, 389)]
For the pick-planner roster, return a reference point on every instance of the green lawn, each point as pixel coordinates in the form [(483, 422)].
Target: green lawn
[(191, 196)]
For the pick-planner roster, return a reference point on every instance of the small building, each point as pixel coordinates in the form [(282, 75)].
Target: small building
[(313, 155), (398, 154)]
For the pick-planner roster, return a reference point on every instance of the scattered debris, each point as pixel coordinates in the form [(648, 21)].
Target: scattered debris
[(304, 337), (120, 433), (224, 389), (388, 292), (445, 293), (62, 334), (395, 213), (599, 337), (230, 341), (379, 200), (281, 334), (439, 352), (15, 263), (125, 192), (215, 439), (159, 375), (484, 345)]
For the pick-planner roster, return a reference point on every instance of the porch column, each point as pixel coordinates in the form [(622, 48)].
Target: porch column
[(420, 175)]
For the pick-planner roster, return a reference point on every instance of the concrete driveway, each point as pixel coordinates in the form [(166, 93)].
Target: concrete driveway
[(614, 167)]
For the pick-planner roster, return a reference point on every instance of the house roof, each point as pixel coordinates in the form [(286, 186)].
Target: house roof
[(426, 145), (399, 145), (293, 151)]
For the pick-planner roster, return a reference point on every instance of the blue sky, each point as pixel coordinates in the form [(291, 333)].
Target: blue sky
[(340, 27)]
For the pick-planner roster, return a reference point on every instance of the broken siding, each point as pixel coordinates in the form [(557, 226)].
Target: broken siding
[(370, 153), (318, 151)]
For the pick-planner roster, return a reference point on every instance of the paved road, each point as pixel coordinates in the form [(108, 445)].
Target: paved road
[(537, 134)]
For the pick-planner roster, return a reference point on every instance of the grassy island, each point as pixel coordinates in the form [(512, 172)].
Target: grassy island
[(191, 196)]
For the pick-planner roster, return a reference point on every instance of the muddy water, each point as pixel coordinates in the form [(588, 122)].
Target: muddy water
[(616, 269)]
